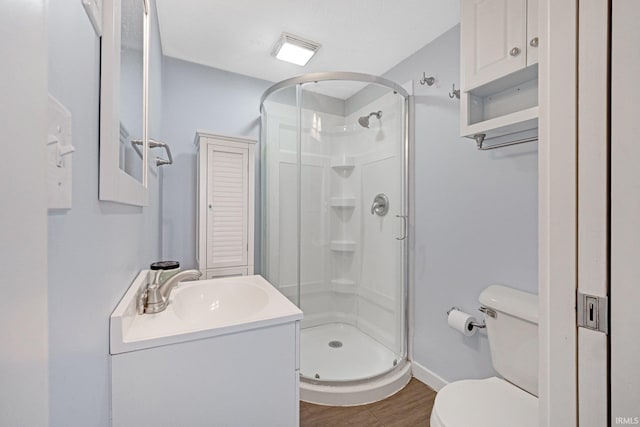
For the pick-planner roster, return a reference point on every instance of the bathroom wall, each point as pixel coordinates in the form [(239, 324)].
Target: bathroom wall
[(475, 217), (24, 395), (199, 97), (97, 248)]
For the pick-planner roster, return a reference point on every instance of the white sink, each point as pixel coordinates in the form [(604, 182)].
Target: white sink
[(197, 310), (218, 300)]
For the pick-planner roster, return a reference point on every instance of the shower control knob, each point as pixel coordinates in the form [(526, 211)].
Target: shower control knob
[(380, 205), (515, 51)]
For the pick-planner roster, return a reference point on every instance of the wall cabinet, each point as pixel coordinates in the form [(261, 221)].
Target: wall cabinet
[(499, 73), (226, 188)]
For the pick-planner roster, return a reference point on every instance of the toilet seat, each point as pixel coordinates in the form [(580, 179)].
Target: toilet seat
[(492, 402)]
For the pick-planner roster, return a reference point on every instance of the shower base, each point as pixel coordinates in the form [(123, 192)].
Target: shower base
[(335, 361)]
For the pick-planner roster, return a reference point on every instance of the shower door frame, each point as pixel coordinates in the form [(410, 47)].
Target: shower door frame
[(406, 182)]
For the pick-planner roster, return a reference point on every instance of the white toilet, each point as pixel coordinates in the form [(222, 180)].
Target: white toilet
[(512, 325)]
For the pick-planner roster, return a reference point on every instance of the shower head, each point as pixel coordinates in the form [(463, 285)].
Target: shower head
[(364, 120)]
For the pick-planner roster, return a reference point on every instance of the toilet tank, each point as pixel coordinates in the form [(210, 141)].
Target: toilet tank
[(513, 334)]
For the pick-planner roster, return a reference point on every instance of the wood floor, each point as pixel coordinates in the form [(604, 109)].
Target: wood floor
[(409, 407)]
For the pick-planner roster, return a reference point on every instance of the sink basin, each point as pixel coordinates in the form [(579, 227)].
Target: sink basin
[(217, 301), (197, 310)]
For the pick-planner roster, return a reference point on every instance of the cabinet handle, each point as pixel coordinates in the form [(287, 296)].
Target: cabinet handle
[(515, 51), (534, 42)]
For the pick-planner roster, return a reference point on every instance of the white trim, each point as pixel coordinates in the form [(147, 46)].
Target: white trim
[(625, 211), (427, 376), (411, 256), (115, 184), (557, 184), (201, 133)]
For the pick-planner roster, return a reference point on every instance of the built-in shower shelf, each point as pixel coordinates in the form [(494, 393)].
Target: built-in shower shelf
[(343, 202), (343, 282), (343, 163), (343, 246), (343, 286)]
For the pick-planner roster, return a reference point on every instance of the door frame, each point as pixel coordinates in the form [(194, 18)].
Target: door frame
[(557, 213)]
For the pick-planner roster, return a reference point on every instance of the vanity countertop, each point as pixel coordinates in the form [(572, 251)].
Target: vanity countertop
[(197, 310)]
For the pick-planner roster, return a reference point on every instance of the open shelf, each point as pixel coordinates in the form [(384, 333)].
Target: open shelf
[(506, 107), (343, 202), (504, 125), (343, 286), (343, 245), (342, 282), (343, 163)]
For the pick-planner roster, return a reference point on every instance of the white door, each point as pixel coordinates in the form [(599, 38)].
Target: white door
[(593, 215), (227, 206), (493, 39), (625, 213)]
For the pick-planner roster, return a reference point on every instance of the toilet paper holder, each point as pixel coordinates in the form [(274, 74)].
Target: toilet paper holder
[(474, 324)]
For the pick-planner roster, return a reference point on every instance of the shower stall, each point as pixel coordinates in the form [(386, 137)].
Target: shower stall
[(334, 228)]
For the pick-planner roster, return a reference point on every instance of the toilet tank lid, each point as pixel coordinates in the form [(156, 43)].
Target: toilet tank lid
[(511, 301)]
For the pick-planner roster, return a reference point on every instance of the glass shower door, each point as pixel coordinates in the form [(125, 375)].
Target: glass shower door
[(351, 263), (279, 161), (334, 203)]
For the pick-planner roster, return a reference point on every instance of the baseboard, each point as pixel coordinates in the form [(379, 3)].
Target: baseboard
[(427, 376)]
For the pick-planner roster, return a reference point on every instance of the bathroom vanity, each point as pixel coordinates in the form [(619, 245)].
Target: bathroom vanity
[(224, 352)]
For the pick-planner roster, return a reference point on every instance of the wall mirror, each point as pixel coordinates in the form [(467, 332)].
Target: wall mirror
[(124, 102)]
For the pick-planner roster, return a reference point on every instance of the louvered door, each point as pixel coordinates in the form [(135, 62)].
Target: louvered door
[(226, 191), (227, 206)]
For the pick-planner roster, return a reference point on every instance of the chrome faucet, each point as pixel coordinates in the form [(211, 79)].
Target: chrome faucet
[(154, 298)]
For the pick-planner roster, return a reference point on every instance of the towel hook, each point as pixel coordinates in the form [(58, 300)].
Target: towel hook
[(429, 81), (455, 93)]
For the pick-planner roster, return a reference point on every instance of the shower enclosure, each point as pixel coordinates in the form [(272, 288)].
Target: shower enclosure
[(334, 228)]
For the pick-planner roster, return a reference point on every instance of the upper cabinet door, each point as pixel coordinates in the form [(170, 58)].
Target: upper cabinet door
[(494, 39), (532, 32)]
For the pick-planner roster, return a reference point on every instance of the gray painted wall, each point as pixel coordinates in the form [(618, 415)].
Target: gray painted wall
[(475, 217), (96, 248), (199, 97)]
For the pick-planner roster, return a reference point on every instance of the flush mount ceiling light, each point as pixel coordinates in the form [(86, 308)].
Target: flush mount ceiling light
[(294, 49)]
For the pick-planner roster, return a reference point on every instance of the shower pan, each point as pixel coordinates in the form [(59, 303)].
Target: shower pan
[(334, 210)]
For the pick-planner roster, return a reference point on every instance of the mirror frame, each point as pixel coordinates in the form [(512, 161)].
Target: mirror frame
[(115, 184)]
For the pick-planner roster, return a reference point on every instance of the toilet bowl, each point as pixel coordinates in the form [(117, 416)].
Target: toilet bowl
[(512, 324), (492, 402)]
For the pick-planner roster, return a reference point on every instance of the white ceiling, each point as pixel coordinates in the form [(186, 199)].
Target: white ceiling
[(367, 36)]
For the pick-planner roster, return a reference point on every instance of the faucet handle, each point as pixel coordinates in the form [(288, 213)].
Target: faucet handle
[(141, 298)]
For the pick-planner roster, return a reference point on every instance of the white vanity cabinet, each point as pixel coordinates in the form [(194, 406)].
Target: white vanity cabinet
[(499, 72), (243, 379), (226, 188), (195, 366)]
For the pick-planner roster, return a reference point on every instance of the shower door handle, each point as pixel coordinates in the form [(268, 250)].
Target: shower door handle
[(404, 227)]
